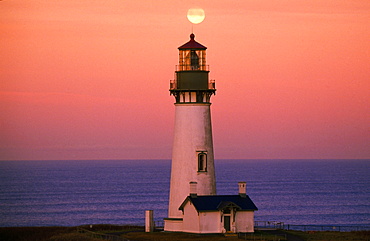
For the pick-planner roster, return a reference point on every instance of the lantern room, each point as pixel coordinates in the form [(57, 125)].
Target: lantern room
[(192, 56), (191, 82)]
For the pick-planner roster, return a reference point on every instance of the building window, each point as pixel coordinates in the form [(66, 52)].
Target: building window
[(202, 162)]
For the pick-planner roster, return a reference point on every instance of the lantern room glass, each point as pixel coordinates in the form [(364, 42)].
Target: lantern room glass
[(192, 60)]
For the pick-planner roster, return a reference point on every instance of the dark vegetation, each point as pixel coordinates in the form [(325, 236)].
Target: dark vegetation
[(257, 236), (135, 233), (33, 233), (333, 236)]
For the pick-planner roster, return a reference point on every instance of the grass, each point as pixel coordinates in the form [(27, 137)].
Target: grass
[(137, 234), (164, 236), (33, 233), (332, 236), (257, 236)]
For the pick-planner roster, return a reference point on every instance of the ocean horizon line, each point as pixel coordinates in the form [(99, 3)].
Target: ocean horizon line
[(216, 159)]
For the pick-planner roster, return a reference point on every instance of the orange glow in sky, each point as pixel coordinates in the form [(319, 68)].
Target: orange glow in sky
[(90, 79)]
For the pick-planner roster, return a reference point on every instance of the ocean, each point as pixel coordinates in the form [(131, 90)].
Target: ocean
[(71, 193)]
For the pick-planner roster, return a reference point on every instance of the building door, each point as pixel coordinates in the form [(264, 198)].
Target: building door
[(227, 223)]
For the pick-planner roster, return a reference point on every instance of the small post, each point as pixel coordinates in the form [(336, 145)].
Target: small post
[(149, 223)]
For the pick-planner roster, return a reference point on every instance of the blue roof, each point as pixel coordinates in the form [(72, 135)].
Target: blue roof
[(219, 202)]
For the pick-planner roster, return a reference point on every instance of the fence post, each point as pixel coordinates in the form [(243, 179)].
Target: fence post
[(149, 223)]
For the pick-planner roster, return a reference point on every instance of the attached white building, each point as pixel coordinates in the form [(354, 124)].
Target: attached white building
[(218, 213)]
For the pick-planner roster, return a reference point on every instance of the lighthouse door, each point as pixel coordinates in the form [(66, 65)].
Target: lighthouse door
[(227, 223)]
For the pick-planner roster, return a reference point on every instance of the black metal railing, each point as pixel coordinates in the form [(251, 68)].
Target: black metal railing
[(101, 235), (282, 225), (190, 67), (211, 84), (268, 224), (338, 228)]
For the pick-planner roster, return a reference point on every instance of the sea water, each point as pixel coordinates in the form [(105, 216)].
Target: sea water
[(70, 193)]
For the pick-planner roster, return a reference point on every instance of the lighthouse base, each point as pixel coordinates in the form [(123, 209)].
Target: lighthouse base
[(173, 224)]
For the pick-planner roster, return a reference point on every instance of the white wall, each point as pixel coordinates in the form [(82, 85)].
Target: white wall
[(173, 225), (210, 222), (193, 132), (204, 222), (244, 221), (191, 219)]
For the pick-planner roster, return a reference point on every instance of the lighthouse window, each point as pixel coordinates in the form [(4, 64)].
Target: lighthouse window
[(202, 162), (190, 59), (194, 60)]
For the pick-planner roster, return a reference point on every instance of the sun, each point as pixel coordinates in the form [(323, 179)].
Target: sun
[(196, 15)]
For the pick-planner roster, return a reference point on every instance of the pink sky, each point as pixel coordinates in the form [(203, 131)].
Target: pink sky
[(90, 79)]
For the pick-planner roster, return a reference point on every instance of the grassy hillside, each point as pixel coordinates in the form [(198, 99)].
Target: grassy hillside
[(137, 234)]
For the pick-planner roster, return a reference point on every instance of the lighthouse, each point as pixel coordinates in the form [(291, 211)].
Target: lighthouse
[(193, 205), (192, 154)]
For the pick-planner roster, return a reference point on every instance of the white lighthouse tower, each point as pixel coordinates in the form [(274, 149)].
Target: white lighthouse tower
[(192, 154)]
